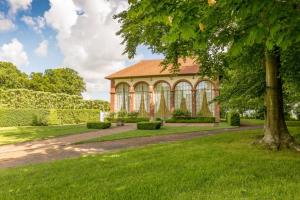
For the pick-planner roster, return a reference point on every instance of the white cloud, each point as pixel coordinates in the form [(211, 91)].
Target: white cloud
[(36, 23), (42, 49), (5, 24), (16, 5), (86, 35), (14, 52)]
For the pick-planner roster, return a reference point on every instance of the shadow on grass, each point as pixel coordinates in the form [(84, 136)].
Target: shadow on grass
[(20, 134)]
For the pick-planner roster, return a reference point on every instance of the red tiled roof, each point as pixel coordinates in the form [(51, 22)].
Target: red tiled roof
[(146, 68)]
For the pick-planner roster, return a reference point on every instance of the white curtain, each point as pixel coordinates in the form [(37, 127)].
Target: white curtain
[(157, 93), (183, 89), (141, 89), (205, 86), (122, 97)]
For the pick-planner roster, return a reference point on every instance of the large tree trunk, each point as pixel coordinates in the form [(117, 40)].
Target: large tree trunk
[(276, 134)]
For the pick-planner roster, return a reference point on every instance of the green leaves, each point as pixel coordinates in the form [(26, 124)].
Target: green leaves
[(23, 98)]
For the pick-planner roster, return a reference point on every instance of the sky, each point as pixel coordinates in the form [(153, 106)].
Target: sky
[(80, 34)]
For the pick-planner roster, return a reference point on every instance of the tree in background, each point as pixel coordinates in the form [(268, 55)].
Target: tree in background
[(226, 35), (11, 77), (61, 80)]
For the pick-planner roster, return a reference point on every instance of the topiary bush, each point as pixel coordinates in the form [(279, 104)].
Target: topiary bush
[(149, 125), (181, 114), (233, 119), (98, 125), (128, 120), (192, 120)]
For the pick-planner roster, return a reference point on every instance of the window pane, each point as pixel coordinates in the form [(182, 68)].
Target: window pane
[(207, 88), (122, 97), (162, 100), (183, 92), (141, 90)]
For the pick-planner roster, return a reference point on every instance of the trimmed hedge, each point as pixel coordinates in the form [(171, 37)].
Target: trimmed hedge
[(98, 125), (192, 120), (29, 99), (44, 117), (128, 120), (148, 125), (233, 119)]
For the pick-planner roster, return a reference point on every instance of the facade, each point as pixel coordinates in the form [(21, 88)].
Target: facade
[(145, 88)]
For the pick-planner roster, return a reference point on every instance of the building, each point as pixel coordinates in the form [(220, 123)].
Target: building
[(145, 88)]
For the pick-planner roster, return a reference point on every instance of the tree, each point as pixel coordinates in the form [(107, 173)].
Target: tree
[(11, 77), (61, 80), (225, 35)]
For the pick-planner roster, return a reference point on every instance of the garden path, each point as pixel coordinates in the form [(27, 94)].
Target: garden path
[(63, 147)]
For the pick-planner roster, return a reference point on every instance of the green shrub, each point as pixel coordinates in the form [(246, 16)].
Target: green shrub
[(128, 120), (133, 114), (28, 99), (18, 117), (98, 125), (122, 113), (149, 125), (181, 114), (40, 118), (43, 117), (192, 120), (233, 118)]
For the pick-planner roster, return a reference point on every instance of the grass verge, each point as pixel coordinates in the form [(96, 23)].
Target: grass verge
[(216, 167), (164, 130), (11, 135)]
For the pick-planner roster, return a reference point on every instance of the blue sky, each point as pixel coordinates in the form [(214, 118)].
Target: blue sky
[(41, 34)]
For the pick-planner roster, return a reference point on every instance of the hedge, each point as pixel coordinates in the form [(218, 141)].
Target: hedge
[(38, 117), (233, 119), (29, 99), (128, 120), (149, 125), (98, 125), (192, 120)]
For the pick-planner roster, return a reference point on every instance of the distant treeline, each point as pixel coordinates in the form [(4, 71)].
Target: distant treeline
[(61, 80)]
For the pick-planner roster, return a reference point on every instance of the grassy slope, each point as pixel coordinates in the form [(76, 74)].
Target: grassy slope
[(165, 130), (9, 135), (215, 167)]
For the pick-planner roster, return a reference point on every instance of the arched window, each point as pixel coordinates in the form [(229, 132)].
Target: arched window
[(122, 98), (204, 96), (162, 100), (141, 99), (183, 96)]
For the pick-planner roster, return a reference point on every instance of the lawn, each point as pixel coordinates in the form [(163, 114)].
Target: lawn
[(165, 130), (10, 135), (221, 167)]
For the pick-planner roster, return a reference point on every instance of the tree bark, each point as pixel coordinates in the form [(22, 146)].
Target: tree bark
[(276, 134)]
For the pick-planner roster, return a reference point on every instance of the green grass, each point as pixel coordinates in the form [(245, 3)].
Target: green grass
[(165, 130), (10, 135), (221, 167), (261, 122)]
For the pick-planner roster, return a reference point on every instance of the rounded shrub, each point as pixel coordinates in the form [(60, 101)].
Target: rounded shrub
[(233, 119), (98, 125), (149, 125)]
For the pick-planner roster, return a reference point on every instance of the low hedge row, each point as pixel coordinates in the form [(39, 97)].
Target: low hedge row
[(233, 119), (149, 125), (128, 119), (98, 125), (192, 120), (44, 117)]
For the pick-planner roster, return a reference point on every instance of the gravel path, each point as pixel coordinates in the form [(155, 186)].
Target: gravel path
[(60, 148)]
